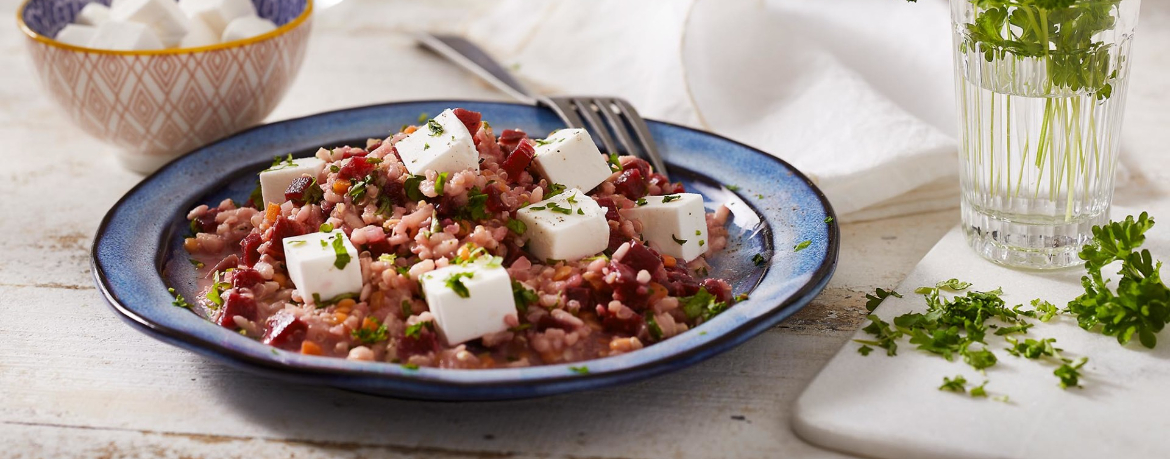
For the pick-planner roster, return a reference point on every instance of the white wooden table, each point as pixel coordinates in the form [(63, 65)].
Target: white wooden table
[(76, 381)]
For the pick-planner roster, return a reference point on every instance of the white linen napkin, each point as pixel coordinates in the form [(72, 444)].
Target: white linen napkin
[(858, 94)]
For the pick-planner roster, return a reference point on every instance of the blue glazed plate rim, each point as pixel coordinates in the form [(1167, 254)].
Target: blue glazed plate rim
[(437, 383)]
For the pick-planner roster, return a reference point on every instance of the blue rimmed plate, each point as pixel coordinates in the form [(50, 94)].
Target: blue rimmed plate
[(137, 253)]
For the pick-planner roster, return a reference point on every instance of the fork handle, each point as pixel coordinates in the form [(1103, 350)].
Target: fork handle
[(471, 57)]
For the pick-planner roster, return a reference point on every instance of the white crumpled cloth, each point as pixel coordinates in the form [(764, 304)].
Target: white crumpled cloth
[(858, 94)]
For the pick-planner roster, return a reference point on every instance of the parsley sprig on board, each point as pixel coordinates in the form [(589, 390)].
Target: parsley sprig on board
[(1140, 305)]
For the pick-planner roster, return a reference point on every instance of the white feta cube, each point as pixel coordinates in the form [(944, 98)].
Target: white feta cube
[(674, 224), (92, 14), (569, 157), (469, 301), (246, 27), (443, 144), (199, 35), (276, 179), (124, 36), (568, 226), (217, 14), (76, 35), (323, 265), (162, 16)]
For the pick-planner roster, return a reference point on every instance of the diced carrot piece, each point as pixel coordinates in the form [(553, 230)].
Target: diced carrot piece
[(562, 273), (669, 261), (311, 348), (410, 129), (346, 304), (191, 245), (272, 212), (340, 186)]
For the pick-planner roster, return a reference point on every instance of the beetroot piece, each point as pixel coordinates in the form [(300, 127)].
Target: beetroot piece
[(356, 168), (236, 303), (667, 187), (510, 138), (626, 287), (611, 211), (395, 192), (613, 324), (719, 288), (246, 278), (251, 248), (206, 222), (583, 295), (640, 257), (469, 118), (297, 189), (519, 160), (285, 331), (637, 164), (495, 200), (679, 282), (426, 341), (281, 229), (632, 184)]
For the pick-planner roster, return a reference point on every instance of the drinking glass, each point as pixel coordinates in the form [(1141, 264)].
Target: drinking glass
[(1040, 97)]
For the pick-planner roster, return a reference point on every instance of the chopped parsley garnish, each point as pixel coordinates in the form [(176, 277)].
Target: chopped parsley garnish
[(217, 287), (412, 191), (414, 331), (440, 181), (455, 282), (179, 300), (1141, 303), (196, 263), (357, 191), (801, 245), (1069, 373), (886, 337), (640, 202), (366, 335), (829, 219), (759, 196), (957, 384), (427, 146), (523, 297), (334, 168), (702, 304), (516, 226), (554, 190), (652, 326), (537, 208), (615, 163), (864, 350), (476, 207), (580, 212), (406, 309), (326, 228), (876, 297), (281, 163), (343, 257), (731, 187), (1032, 349), (435, 128), (979, 391), (410, 366), (422, 117), (759, 260), (552, 206), (256, 198), (543, 142), (953, 285), (582, 370), (332, 301), (670, 198), (677, 240)]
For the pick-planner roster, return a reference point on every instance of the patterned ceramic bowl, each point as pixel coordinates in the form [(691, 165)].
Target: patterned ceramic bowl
[(156, 105)]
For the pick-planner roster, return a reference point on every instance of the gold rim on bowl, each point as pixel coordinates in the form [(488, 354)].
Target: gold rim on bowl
[(231, 44)]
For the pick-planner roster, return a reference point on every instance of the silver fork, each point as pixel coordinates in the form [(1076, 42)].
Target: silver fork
[(600, 115)]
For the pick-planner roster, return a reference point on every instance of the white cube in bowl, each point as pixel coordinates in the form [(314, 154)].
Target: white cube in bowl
[(674, 225), (323, 265), (92, 14), (568, 226), (163, 17), (569, 157), (199, 35), (124, 36), (76, 35), (443, 144), (246, 27), (276, 179), (217, 14), (469, 301)]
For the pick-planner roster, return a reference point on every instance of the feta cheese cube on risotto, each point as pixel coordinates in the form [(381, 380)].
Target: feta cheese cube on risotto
[(246, 27), (443, 144), (162, 16), (76, 35), (323, 265), (469, 301), (92, 14), (217, 14), (124, 36), (570, 157), (568, 226), (675, 224), (276, 179)]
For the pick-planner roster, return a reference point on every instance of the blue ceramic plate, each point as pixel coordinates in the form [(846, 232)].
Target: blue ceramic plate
[(137, 253)]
